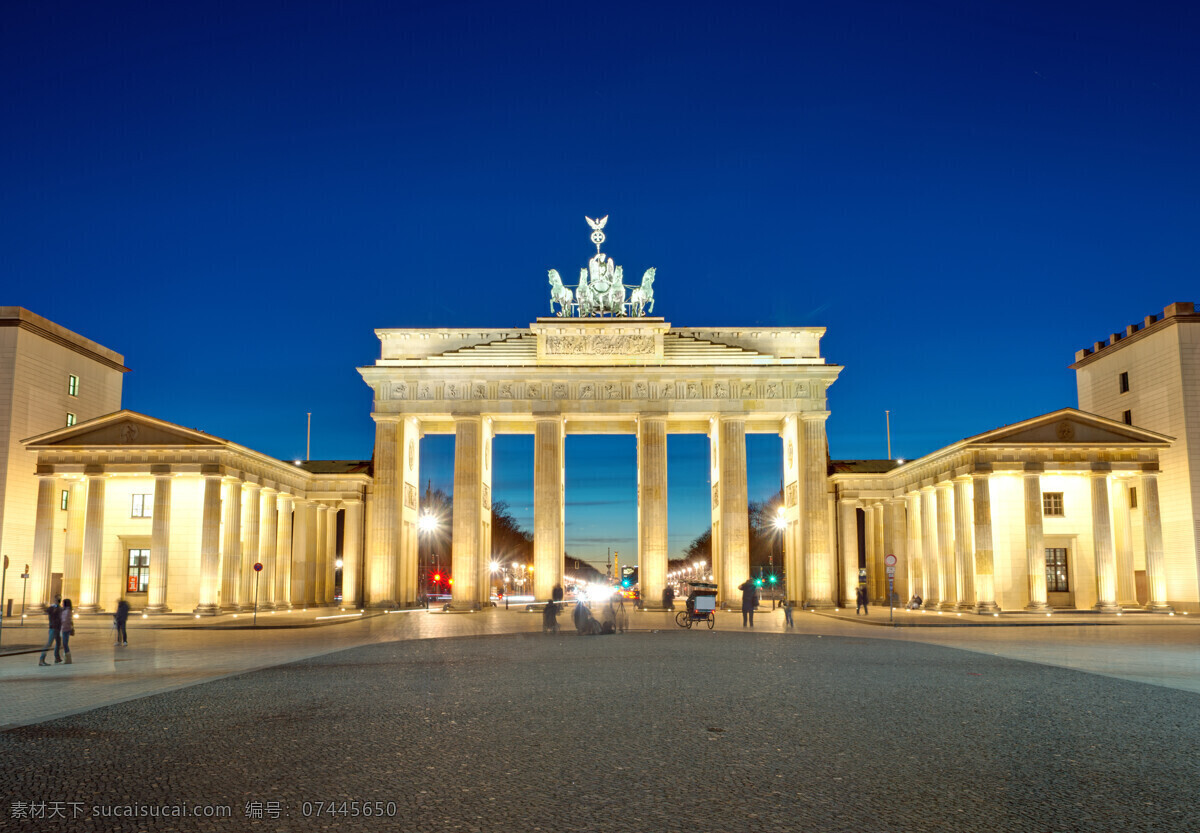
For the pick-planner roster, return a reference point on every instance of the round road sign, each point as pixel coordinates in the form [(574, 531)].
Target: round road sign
[(257, 566), (889, 560)]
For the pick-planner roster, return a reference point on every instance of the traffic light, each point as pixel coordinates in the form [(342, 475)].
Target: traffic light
[(758, 582), (772, 578), (437, 577)]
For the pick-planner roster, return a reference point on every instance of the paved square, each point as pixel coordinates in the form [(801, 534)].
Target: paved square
[(649, 731)]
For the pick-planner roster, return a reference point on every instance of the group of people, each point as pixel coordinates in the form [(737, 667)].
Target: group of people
[(61, 616), (613, 618)]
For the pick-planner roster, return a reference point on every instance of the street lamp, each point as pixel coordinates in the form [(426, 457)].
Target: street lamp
[(427, 524)]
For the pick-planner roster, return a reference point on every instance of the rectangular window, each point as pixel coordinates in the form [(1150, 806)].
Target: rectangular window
[(62, 500), (1127, 417), (73, 385), (137, 579), (1056, 570), (1124, 382), (70, 420), (1133, 497), (1052, 504), (143, 506)]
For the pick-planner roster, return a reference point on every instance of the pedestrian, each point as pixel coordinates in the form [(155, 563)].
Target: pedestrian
[(749, 601), (119, 619), (66, 627), (787, 611), (550, 618), (860, 601), (668, 597), (557, 593), (54, 614)]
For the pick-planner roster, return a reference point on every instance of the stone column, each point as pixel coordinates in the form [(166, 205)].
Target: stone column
[(93, 546), (73, 543), (1106, 562), (311, 543), (947, 589), (895, 509), (1035, 544), (470, 507), (1156, 568), (407, 537), (549, 517), (283, 554), (160, 542), (849, 519), (792, 545), (352, 554), (267, 543), (819, 564), (331, 555), (210, 547), (734, 507), (322, 546), (883, 538), (985, 566), (1123, 542), (716, 566), (300, 552), (929, 547), (231, 555), (964, 553), (916, 575), (652, 509), (382, 540), (43, 542), (252, 494)]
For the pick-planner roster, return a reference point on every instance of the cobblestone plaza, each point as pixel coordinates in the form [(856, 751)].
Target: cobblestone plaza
[(479, 722)]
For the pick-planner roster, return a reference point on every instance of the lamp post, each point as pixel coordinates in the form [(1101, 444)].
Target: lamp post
[(427, 524), (780, 526)]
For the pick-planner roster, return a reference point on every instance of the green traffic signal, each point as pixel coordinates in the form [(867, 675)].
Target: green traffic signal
[(758, 582), (772, 579)]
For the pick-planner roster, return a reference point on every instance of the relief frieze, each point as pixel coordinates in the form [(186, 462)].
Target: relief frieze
[(599, 345)]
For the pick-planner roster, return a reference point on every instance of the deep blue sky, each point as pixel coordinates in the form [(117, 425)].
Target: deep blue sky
[(235, 195)]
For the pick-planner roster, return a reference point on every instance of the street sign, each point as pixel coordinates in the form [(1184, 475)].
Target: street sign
[(889, 560), (891, 571), (257, 566)]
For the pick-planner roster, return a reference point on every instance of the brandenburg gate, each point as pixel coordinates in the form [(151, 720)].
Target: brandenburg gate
[(600, 365)]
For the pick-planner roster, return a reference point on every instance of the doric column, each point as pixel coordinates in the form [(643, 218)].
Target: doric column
[(792, 545), (267, 543), (93, 545), (210, 547), (819, 563), (548, 507), (1106, 562), (470, 555), (331, 556), (352, 554), (73, 542), (231, 553), (916, 573), (896, 507), (875, 554), (734, 507), (283, 554), (929, 546), (408, 532), (964, 555), (849, 539), (985, 564), (302, 509), (43, 541), (947, 588), (1035, 543), (322, 543), (1122, 541), (160, 541), (383, 539), (1156, 568), (251, 498), (652, 508), (311, 544)]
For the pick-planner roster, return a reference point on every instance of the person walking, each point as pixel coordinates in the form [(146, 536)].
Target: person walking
[(53, 613), (749, 601), (119, 619), (787, 612), (66, 628), (860, 601)]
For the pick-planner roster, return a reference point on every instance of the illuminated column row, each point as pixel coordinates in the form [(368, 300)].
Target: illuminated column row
[(652, 508)]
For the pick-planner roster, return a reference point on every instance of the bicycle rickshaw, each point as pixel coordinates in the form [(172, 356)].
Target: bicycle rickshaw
[(701, 604)]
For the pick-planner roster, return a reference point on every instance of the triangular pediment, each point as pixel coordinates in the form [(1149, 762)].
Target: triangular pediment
[(1070, 427), (123, 428)]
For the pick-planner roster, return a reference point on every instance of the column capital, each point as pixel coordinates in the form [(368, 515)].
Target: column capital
[(813, 416), (161, 469), (980, 468), (251, 486), (1100, 470), (1032, 467), (981, 474), (850, 501)]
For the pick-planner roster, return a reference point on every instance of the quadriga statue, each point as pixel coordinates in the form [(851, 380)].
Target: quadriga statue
[(641, 300), (560, 295)]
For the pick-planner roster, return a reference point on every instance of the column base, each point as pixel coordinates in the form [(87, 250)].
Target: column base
[(206, 610), (1109, 607), (462, 607), (947, 606), (967, 607), (1038, 607), (89, 609), (386, 604), (929, 605), (1162, 608), (986, 608), (823, 604), (155, 610)]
